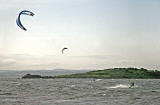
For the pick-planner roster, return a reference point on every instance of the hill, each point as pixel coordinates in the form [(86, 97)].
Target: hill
[(117, 73)]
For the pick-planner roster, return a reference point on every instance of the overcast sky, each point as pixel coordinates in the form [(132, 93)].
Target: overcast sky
[(99, 34)]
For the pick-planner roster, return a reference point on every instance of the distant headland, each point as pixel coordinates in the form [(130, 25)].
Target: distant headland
[(114, 73)]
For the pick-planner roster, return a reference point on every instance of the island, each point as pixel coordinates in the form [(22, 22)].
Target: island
[(113, 73), (35, 76)]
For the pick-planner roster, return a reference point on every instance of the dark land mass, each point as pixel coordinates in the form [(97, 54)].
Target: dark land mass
[(114, 73), (36, 76)]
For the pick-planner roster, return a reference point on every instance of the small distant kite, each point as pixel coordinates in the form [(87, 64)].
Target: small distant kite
[(18, 21), (64, 49)]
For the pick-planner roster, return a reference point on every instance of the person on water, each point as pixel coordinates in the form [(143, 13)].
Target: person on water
[(131, 85)]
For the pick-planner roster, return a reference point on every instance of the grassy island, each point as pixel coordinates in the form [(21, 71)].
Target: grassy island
[(114, 73), (117, 73)]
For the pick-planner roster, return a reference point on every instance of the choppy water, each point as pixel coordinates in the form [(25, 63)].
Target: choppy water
[(15, 91)]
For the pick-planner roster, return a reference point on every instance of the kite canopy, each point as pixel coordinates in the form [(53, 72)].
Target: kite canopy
[(18, 21), (64, 49)]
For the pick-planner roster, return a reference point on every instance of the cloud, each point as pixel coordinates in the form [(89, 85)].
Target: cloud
[(9, 61), (125, 61)]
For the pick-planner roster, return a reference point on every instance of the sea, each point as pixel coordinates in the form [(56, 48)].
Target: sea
[(87, 91)]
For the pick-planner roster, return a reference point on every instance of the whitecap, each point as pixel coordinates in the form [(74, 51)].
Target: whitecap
[(97, 80), (119, 86)]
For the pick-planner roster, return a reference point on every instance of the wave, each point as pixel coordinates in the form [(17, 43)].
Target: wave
[(119, 86)]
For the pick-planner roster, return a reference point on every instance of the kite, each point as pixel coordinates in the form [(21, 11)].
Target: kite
[(64, 49), (18, 21)]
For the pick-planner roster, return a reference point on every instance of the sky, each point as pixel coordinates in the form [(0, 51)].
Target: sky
[(99, 34)]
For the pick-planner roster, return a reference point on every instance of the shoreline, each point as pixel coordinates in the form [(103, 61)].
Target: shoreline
[(114, 73)]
